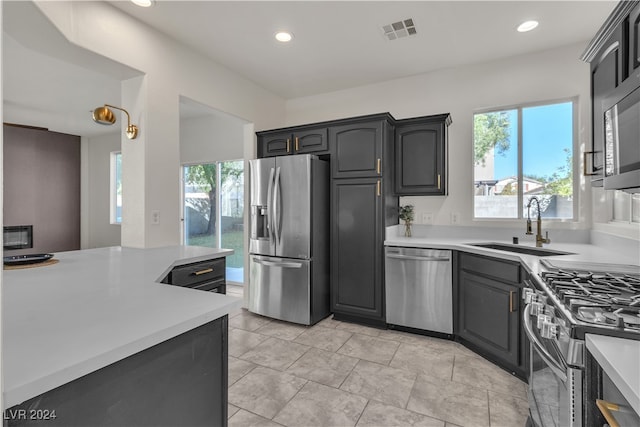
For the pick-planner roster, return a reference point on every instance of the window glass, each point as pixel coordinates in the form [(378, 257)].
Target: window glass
[(522, 152), (116, 188)]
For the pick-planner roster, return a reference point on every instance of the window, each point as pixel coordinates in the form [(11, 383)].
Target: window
[(214, 210), (522, 152), (116, 188)]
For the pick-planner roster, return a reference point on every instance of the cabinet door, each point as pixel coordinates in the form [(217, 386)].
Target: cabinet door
[(310, 141), (488, 313), (357, 150), (634, 40), (420, 159), (275, 145), (606, 74), (356, 248)]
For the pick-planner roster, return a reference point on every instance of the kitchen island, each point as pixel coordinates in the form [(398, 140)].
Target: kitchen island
[(99, 340)]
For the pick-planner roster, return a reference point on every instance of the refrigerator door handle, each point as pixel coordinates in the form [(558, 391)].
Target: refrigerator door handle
[(276, 206), (270, 204), (282, 264)]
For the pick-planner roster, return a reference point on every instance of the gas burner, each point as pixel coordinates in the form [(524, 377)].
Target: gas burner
[(598, 298)]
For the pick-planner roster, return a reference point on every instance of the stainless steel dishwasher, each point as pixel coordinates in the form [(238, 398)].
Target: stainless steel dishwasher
[(418, 289)]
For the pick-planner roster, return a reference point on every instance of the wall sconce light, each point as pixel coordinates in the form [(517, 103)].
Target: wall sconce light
[(104, 116)]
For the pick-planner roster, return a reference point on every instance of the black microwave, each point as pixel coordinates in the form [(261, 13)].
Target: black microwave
[(622, 136)]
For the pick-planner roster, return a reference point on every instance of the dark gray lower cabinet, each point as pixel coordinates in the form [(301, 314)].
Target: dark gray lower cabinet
[(356, 255), (489, 310), (179, 382)]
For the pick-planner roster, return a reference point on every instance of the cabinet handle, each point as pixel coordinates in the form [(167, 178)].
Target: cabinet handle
[(288, 144), (297, 145), (511, 301), (205, 271), (584, 163), (438, 181), (378, 188), (606, 408), (379, 166)]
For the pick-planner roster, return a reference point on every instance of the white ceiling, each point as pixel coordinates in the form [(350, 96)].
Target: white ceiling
[(340, 44), (337, 45)]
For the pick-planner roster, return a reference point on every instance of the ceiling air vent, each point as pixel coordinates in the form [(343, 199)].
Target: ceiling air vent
[(399, 29)]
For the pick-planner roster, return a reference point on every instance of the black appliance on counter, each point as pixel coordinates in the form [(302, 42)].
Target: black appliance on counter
[(562, 305), (17, 237)]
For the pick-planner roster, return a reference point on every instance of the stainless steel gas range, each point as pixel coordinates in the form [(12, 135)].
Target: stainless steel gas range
[(563, 303)]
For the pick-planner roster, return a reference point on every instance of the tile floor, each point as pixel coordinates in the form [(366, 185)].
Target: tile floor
[(341, 374)]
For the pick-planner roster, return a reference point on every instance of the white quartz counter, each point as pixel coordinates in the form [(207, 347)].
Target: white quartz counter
[(620, 359), (95, 307)]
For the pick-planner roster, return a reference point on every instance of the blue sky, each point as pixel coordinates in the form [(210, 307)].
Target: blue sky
[(546, 131)]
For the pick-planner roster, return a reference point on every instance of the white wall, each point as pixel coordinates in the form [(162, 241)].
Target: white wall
[(98, 231), (209, 139), (549, 75), (171, 70)]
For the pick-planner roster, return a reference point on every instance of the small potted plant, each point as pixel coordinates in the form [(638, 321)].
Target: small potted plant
[(406, 214)]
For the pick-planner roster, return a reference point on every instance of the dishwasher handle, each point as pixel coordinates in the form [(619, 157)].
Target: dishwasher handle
[(417, 257)]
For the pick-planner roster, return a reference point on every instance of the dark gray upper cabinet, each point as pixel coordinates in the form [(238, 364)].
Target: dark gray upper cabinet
[(606, 74), (357, 149), (298, 141), (488, 309), (421, 155), (614, 55)]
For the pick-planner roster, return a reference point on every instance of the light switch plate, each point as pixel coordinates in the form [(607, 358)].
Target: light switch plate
[(427, 217)]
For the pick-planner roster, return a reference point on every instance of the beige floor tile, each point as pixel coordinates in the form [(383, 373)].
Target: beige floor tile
[(370, 348), (248, 321), (328, 322), (450, 401), (377, 414), (421, 359), (382, 383), (243, 418), (238, 368), (241, 341), (479, 372), (329, 339), (264, 391), (507, 410), (283, 330), (323, 367), (319, 405), (231, 410), (275, 353), (359, 329)]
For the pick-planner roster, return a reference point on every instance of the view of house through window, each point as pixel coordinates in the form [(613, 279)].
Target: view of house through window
[(523, 152), (214, 210), (116, 188)]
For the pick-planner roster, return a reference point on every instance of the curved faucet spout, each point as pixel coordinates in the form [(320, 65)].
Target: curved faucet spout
[(539, 239)]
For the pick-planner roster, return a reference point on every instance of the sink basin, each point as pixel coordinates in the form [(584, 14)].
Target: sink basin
[(520, 249)]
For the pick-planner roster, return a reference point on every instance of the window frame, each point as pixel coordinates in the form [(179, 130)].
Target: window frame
[(574, 100), (113, 187)]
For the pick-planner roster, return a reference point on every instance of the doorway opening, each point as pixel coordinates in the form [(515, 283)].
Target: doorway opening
[(213, 209)]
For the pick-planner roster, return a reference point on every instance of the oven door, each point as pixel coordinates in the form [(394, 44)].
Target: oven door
[(555, 389)]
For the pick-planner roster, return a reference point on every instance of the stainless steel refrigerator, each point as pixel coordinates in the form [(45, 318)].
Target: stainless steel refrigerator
[(289, 242)]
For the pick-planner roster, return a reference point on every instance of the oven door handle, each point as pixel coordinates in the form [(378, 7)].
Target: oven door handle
[(555, 367)]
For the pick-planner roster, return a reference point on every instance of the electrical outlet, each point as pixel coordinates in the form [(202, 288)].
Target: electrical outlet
[(155, 217), (427, 217), (455, 217)]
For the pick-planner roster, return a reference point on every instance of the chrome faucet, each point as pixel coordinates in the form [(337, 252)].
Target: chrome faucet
[(539, 239)]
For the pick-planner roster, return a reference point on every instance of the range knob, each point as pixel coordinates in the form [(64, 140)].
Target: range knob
[(549, 330)]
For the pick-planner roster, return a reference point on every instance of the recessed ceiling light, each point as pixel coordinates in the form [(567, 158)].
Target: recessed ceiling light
[(143, 3), (527, 26), (283, 36)]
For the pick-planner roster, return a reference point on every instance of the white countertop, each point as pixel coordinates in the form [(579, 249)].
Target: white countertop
[(620, 359), (95, 307)]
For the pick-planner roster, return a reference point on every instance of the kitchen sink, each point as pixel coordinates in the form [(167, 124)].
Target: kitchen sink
[(520, 249)]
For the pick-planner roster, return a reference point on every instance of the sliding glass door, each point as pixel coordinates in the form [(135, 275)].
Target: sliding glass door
[(214, 210)]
